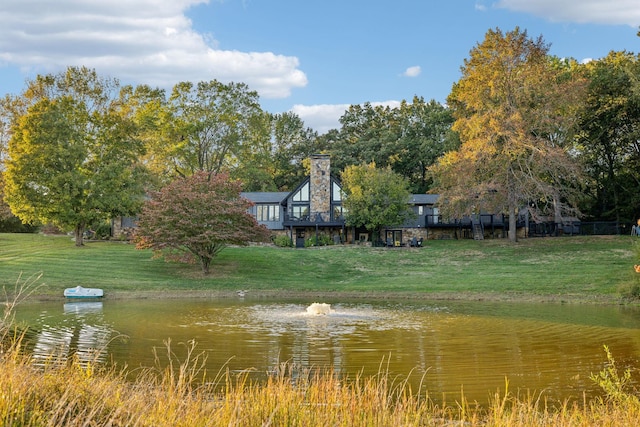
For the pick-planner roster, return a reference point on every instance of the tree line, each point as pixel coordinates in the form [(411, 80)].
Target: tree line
[(521, 130)]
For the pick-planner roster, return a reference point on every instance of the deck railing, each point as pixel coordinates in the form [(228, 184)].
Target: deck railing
[(580, 228), (314, 218)]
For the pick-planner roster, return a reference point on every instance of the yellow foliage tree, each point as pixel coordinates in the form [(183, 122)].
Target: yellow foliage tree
[(513, 114)]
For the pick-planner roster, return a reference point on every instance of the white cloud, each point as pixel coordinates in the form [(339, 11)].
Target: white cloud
[(390, 103), (617, 12), (321, 117), (412, 71), (324, 117), (138, 41)]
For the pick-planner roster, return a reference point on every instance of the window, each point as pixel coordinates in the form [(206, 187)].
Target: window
[(300, 212), (420, 210), (336, 193), (303, 194), (338, 212), (268, 213)]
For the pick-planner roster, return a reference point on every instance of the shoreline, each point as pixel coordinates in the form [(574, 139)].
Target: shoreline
[(318, 296)]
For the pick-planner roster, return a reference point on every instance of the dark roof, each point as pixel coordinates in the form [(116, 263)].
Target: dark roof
[(265, 196), (280, 196), (423, 199)]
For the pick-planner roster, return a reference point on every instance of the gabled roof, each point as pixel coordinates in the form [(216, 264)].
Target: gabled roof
[(307, 180), (273, 197)]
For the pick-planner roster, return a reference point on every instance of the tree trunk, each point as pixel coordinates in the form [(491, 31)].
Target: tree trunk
[(78, 232), (205, 262), (557, 214), (513, 231)]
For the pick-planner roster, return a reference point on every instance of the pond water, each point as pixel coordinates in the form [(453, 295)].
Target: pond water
[(443, 347)]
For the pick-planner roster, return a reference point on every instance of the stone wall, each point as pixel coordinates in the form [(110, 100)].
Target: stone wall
[(418, 233), (123, 228)]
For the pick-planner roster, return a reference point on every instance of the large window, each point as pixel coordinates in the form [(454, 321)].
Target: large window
[(299, 204), (336, 202), (303, 194), (268, 213), (300, 212), (336, 193)]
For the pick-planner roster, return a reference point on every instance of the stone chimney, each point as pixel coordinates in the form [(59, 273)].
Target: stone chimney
[(320, 187)]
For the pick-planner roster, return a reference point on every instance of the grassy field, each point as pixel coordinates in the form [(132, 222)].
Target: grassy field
[(572, 268)]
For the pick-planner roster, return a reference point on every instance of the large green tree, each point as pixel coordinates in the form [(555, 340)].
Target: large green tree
[(609, 141), (368, 134), (195, 217), (5, 124), (73, 152), (510, 104), (151, 116), (424, 134), (5, 211), (293, 145), (375, 198), (210, 125), (408, 138)]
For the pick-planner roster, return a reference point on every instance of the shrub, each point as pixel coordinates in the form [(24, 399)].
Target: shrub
[(630, 290), (617, 387), (321, 240), (282, 241), (14, 225), (99, 231)]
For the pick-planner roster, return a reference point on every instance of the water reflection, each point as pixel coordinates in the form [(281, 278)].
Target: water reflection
[(81, 333), (550, 349)]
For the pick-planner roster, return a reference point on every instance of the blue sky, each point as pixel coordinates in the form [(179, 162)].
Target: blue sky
[(313, 57)]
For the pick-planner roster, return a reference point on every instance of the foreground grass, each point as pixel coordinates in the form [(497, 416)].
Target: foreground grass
[(82, 395), (581, 268)]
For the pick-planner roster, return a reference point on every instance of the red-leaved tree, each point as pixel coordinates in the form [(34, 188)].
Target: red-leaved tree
[(194, 218)]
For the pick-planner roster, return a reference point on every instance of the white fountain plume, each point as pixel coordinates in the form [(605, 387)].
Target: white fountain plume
[(319, 309)]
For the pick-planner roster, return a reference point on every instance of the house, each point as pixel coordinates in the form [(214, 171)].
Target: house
[(314, 210)]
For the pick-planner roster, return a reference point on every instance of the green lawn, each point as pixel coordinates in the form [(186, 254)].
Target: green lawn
[(567, 267)]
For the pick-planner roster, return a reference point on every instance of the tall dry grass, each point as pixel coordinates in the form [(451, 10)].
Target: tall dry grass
[(85, 395)]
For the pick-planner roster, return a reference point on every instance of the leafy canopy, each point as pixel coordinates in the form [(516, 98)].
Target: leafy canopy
[(210, 125), (195, 217), (512, 113), (375, 198), (73, 152), (609, 141), (408, 138)]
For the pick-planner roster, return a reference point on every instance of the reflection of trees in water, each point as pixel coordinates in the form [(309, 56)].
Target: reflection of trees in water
[(84, 335)]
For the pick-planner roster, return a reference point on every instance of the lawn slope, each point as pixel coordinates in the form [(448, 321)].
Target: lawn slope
[(567, 268)]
